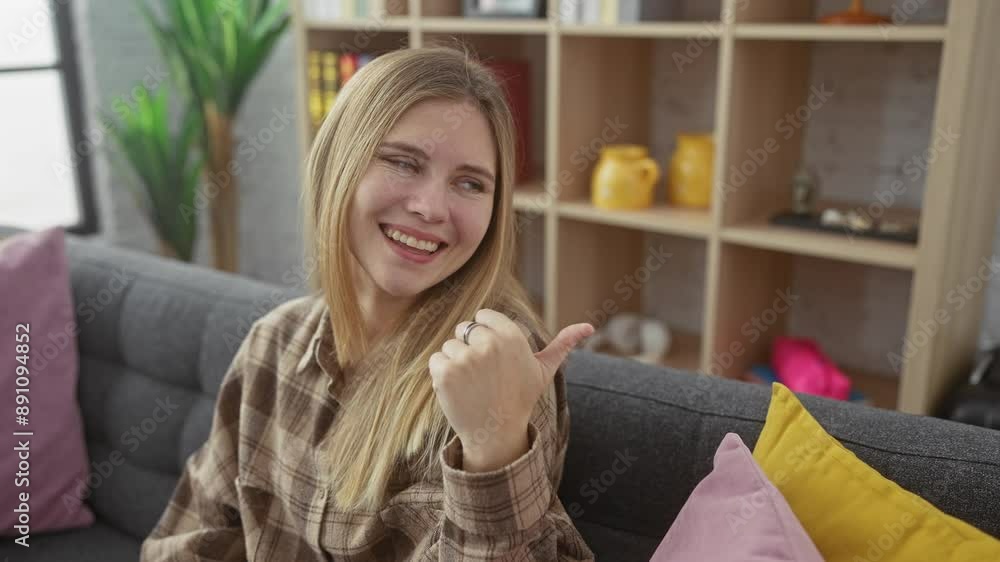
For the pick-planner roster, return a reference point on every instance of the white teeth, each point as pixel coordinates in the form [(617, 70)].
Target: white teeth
[(411, 241)]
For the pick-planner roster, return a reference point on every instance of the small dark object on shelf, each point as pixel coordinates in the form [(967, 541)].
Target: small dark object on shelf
[(813, 222), (977, 401), (805, 185)]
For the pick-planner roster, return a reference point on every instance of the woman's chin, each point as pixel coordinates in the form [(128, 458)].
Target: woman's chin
[(402, 290)]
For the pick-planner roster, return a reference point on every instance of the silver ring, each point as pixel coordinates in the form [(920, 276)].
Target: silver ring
[(465, 334)]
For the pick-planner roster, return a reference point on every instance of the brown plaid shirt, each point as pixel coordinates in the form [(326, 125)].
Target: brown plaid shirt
[(253, 491)]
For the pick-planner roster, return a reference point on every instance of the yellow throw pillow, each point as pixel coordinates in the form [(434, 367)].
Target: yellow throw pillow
[(850, 511)]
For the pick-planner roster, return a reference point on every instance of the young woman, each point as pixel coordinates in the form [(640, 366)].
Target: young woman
[(413, 407)]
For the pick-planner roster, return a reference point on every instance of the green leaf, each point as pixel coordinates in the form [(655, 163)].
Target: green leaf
[(275, 16)]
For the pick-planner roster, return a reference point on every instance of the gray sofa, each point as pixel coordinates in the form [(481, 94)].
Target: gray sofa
[(155, 332)]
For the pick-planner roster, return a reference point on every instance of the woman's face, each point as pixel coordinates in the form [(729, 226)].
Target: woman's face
[(432, 180)]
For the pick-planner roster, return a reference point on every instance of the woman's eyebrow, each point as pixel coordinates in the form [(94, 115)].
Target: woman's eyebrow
[(478, 170), (419, 153), (407, 147)]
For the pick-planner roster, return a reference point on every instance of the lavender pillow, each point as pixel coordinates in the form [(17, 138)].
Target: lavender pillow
[(44, 452), (736, 514)]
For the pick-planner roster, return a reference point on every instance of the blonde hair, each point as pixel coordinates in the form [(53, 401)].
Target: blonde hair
[(392, 417)]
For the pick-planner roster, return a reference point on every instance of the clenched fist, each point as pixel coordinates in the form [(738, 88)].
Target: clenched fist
[(488, 388)]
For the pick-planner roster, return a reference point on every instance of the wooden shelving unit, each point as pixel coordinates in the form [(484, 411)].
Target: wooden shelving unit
[(763, 53), (819, 32)]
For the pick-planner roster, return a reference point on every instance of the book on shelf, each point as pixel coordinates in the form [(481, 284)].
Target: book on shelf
[(570, 11), (328, 72), (609, 12), (612, 12), (633, 11), (321, 10), (590, 11), (515, 77)]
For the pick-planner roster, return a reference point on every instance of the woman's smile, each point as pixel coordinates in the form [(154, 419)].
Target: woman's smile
[(409, 247)]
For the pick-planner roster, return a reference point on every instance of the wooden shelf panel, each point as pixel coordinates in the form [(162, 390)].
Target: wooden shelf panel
[(531, 197), (881, 390), (685, 352), (895, 255), (664, 219), (760, 76), (675, 30), (821, 32), (527, 26), (362, 24)]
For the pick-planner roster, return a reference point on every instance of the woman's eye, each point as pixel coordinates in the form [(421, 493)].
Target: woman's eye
[(470, 185), (402, 164)]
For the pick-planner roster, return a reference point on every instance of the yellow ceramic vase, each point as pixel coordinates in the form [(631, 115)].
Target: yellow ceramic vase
[(690, 182), (624, 177)]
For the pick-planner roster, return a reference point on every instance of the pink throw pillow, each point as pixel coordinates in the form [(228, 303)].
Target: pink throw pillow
[(735, 514), (803, 367), (47, 464)]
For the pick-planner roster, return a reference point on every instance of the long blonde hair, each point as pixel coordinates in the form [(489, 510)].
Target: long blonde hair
[(392, 418)]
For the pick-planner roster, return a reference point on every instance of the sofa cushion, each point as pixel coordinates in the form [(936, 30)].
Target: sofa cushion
[(47, 462), (100, 542), (850, 510), (736, 514), (157, 337), (671, 421)]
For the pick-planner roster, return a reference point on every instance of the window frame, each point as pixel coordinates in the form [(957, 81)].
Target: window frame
[(67, 67)]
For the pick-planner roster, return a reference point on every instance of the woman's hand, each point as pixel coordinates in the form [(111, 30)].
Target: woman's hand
[(488, 388)]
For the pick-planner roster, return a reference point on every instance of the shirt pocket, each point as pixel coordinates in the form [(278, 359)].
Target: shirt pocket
[(277, 523)]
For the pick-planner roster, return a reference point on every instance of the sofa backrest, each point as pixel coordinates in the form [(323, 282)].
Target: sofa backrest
[(155, 338), (669, 423)]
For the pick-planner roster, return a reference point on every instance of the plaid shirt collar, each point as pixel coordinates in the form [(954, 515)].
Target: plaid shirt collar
[(320, 353)]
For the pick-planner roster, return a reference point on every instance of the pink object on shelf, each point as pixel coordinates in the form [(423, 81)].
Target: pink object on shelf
[(801, 366)]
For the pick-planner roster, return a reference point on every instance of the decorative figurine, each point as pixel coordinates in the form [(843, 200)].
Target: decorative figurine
[(855, 15), (632, 335), (804, 188)]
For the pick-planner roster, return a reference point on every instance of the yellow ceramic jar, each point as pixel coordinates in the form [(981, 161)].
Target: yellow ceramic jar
[(624, 177), (690, 182)]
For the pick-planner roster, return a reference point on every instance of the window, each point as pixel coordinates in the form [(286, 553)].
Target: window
[(45, 175)]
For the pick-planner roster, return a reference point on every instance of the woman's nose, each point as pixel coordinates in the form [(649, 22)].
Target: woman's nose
[(430, 200)]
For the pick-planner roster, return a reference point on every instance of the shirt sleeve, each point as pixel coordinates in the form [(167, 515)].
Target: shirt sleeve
[(202, 520), (513, 512)]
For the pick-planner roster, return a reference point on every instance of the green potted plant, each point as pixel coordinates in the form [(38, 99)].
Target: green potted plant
[(215, 48), (167, 164)]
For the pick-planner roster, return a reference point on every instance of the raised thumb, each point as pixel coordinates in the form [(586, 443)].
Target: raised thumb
[(555, 353)]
